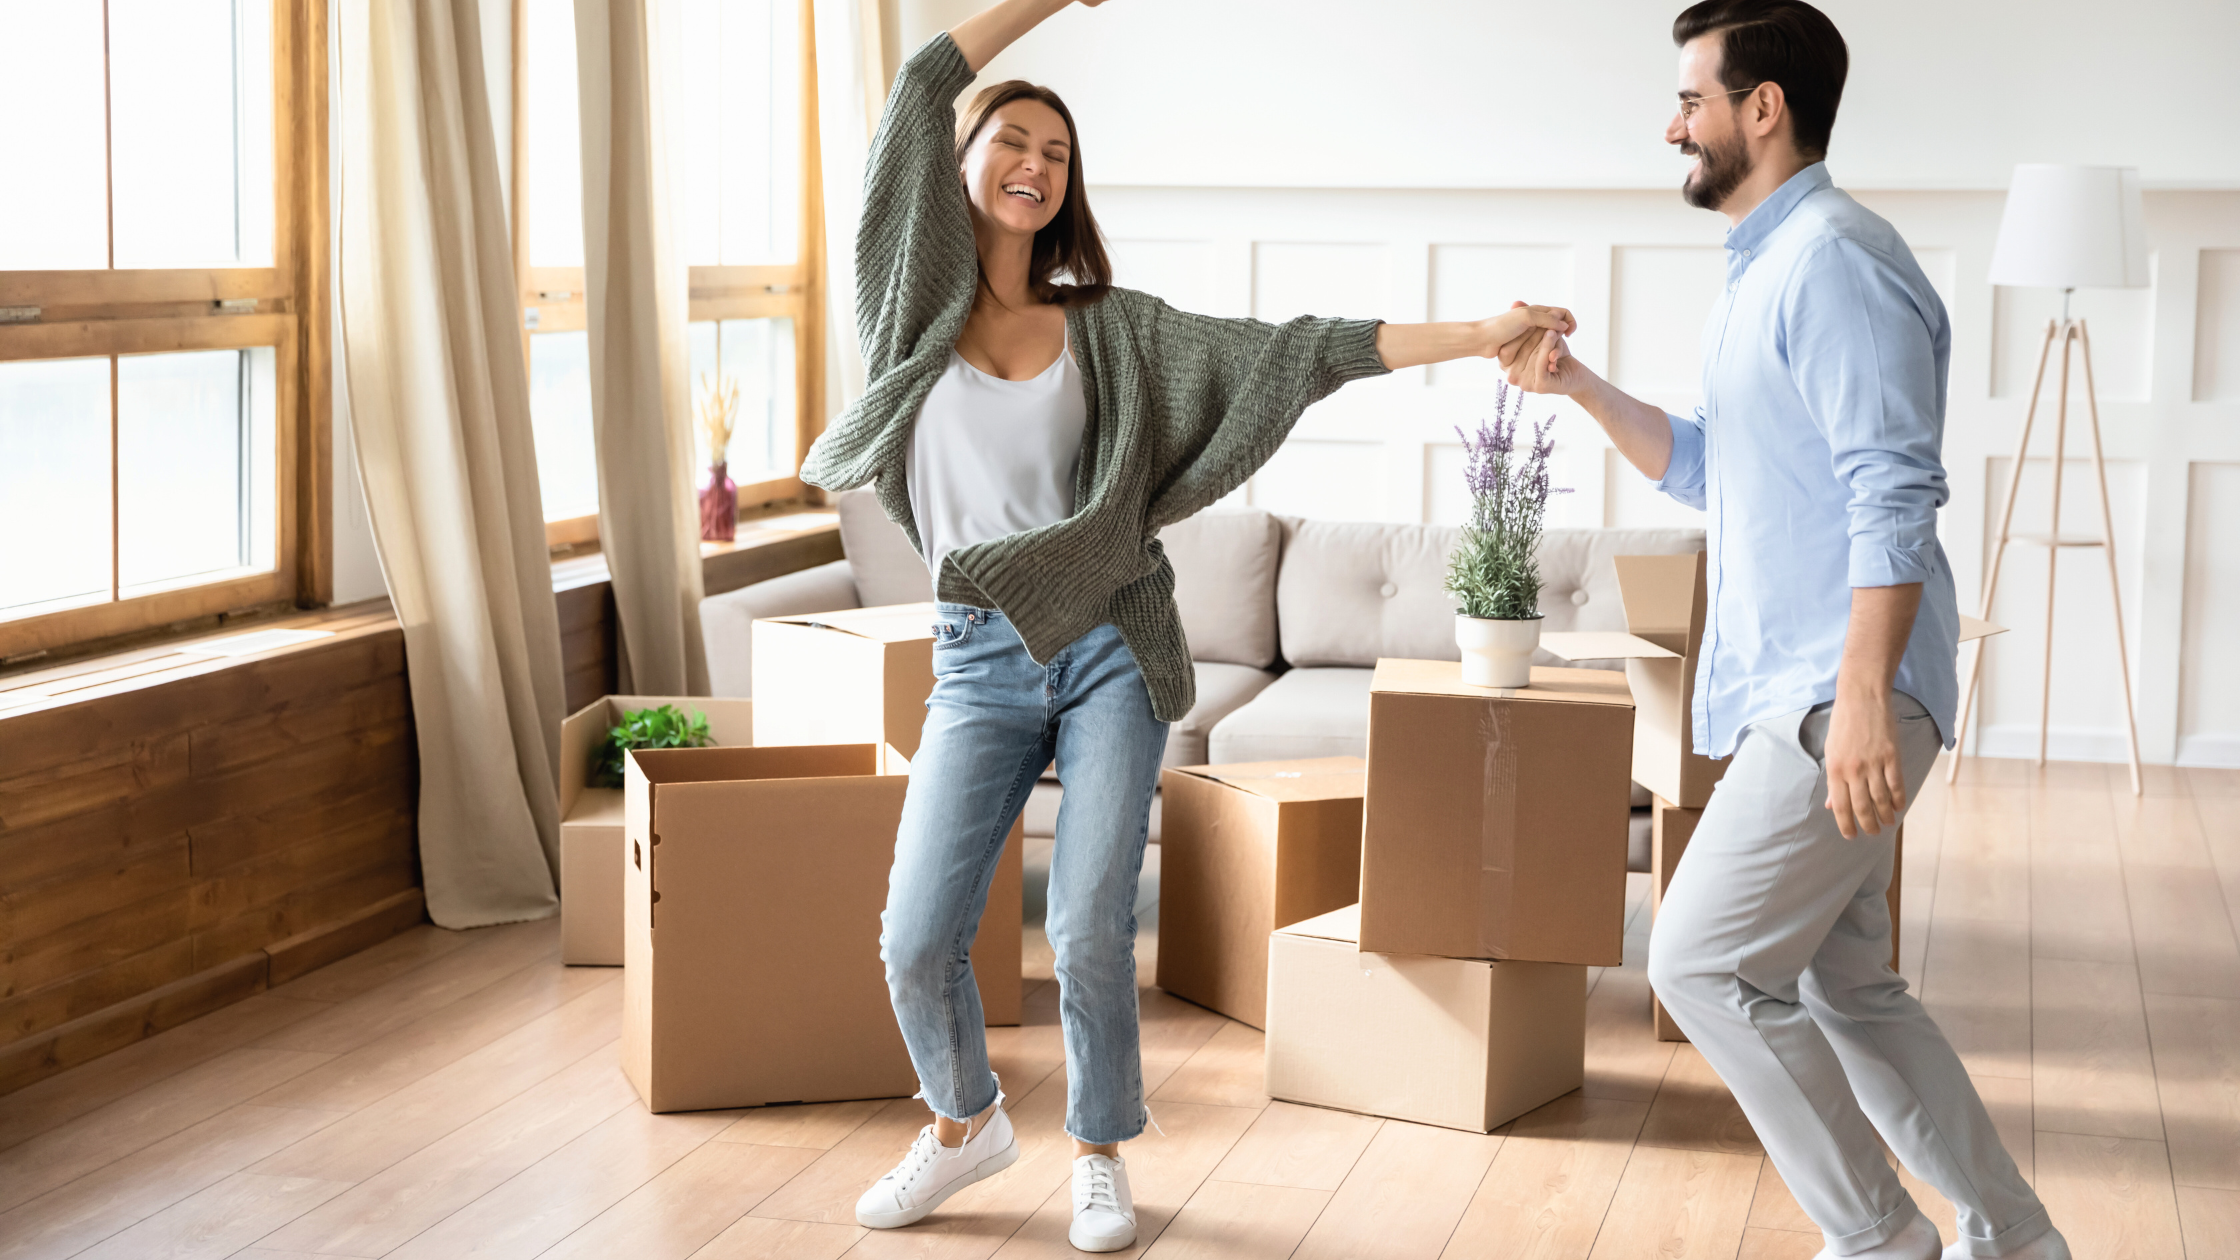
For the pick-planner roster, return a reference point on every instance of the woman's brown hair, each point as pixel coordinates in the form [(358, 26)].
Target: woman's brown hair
[(1071, 242)]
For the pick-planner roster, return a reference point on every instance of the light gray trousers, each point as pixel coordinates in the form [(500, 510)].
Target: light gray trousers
[(1772, 952)]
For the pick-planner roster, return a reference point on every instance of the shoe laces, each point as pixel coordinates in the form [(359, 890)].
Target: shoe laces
[(1093, 1187), (922, 1153)]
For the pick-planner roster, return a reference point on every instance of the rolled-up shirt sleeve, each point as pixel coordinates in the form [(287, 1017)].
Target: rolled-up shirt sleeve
[(1863, 357), (1683, 474)]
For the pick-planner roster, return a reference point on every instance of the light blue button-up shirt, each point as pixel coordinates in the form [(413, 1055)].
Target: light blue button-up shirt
[(1817, 452)]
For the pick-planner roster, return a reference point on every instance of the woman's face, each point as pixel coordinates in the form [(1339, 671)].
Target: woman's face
[(1015, 170)]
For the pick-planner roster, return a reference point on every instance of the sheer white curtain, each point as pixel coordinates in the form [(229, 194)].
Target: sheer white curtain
[(439, 406), (851, 89), (635, 290)]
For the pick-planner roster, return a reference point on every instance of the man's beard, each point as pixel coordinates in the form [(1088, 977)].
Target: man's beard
[(1719, 171)]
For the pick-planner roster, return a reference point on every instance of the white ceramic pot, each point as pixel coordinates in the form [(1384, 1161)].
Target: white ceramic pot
[(1496, 653)]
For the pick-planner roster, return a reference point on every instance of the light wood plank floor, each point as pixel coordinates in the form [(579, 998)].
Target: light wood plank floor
[(448, 1094)]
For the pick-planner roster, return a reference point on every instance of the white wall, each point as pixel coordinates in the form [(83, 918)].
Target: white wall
[(1359, 167), (1505, 94)]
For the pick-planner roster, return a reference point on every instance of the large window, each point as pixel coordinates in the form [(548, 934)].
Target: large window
[(746, 178), (161, 389)]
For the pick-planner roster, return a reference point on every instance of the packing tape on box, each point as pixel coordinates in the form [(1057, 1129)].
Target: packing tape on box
[(1497, 829)]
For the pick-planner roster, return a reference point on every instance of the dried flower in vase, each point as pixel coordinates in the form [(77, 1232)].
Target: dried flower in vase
[(1495, 569), (718, 408)]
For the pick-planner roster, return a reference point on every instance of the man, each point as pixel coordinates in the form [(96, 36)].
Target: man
[(1828, 654)]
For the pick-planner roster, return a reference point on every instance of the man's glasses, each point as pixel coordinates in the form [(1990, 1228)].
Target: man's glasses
[(1690, 104)]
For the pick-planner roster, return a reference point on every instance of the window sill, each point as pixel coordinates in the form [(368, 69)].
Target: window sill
[(781, 539), (98, 675)]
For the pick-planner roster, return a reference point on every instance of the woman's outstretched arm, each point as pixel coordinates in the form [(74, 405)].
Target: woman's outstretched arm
[(993, 29), (1413, 345)]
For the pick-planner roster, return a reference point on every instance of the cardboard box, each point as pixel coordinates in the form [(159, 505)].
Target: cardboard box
[(1246, 849), (591, 820), (856, 676), (1495, 819), (1671, 827), (1455, 1042), (1665, 607), (753, 883), (1664, 603)]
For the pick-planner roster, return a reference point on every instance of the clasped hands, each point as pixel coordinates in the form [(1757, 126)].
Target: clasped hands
[(1538, 360)]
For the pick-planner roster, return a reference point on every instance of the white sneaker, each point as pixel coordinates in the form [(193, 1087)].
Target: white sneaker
[(931, 1172), (1104, 1213), (2049, 1245)]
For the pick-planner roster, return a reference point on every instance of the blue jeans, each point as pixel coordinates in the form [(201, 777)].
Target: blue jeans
[(993, 723)]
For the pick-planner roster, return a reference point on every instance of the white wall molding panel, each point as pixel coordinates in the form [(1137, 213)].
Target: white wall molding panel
[(1640, 269)]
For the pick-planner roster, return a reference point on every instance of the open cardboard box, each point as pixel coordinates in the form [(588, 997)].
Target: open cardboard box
[(591, 820), (753, 885), (1246, 849), (1496, 818), (1462, 1043), (1665, 601), (855, 676)]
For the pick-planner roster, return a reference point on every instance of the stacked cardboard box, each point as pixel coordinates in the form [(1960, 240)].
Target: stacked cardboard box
[(591, 820), (1459, 1042), (1246, 849), (861, 676), (1492, 875)]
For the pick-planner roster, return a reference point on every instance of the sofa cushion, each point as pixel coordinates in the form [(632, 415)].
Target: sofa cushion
[(886, 567), (1225, 585), (1349, 593), (1222, 690), (1306, 713)]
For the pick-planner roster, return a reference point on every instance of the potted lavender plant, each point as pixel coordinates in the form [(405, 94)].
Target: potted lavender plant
[(1495, 568)]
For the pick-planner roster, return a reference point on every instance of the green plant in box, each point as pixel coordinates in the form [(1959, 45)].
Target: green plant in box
[(665, 727)]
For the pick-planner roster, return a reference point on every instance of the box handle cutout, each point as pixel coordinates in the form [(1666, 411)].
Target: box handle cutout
[(637, 855)]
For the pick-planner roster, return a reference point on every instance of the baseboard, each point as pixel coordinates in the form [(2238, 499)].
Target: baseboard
[(2217, 751), (2062, 743), (314, 948), (137, 1018)]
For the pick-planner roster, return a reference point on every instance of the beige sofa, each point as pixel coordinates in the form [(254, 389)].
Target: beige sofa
[(1286, 617)]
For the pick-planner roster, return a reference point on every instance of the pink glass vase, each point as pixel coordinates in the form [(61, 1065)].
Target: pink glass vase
[(719, 506)]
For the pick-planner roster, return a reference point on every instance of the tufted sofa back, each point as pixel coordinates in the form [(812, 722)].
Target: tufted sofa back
[(1348, 593), (1253, 586)]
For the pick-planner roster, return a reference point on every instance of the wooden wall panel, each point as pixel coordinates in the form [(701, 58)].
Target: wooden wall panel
[(172, 819)]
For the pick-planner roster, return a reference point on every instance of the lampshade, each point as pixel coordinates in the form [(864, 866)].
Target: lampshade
[(2072, 227)]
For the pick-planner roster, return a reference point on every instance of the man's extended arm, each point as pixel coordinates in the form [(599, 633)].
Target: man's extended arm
[(1640, 432)]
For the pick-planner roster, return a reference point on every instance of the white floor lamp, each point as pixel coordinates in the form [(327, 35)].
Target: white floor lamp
[(2066, 227)]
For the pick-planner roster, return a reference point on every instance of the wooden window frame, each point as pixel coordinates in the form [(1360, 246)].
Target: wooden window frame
[(552, 298), (284, 307)]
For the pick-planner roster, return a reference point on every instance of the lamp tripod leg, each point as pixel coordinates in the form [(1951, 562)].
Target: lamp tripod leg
[(2108, 548), (2053, 539), (1999, 553)]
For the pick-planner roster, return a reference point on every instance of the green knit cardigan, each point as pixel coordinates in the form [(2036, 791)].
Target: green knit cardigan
[(1182, 408)]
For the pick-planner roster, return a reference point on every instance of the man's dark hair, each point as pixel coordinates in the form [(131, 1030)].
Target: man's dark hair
[(1777, 41)]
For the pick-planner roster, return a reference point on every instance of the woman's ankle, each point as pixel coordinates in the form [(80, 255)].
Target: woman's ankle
[(955, 1133), (1081, 1148)]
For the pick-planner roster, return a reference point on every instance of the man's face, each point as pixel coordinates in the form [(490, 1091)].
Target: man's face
[(1710, 133)]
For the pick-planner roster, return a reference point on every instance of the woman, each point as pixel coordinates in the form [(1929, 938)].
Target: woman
[(1033, 437)]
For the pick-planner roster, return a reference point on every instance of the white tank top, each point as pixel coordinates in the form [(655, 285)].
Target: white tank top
[(991, 457)]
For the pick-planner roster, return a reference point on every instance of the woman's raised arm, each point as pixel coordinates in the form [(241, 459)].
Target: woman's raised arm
[(993, 29)]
